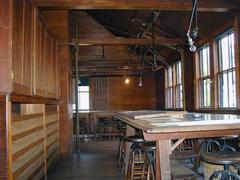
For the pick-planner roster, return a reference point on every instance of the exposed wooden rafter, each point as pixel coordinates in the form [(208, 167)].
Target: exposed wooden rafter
[(125, 41), (186, 5)]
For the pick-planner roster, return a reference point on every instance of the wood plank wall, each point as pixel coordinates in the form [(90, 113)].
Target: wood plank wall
[(65, 101), (99, 94), (121, 96), (160, 89), (5, 45), (34, 62), (3, 139), (188, 80), (58, 24), (34, 140)]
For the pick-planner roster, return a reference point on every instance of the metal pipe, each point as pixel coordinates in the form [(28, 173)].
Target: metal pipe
[(76, 48)]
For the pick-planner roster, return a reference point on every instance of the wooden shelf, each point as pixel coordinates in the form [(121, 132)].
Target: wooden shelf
[(32, 99)]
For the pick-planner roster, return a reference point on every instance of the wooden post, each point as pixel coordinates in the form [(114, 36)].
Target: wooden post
[(8, 149), (129, 131), (163, 150), (236, 28)]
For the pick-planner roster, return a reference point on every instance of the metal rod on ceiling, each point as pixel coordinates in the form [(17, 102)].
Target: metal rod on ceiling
[(76, 48), (153, 41)]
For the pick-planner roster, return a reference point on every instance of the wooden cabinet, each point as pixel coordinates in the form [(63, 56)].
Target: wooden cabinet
[(45, 61), (22, 43), (34, 63)]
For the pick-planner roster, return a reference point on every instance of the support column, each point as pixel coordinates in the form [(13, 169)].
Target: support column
[(163, 151)]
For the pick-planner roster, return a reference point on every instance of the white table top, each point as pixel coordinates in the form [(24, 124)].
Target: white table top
[(183, 122)]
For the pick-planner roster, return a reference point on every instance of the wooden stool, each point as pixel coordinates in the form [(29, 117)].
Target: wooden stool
[(103, 126), (225, 159), (149, 150), (122, 129), (135, 153)]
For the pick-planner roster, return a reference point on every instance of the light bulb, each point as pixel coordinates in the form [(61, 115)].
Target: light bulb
[(192, 48), (140, 83), (127, 81)]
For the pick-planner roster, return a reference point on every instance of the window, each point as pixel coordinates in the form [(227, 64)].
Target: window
[(83, 95), (174, 88), (178, 86), (204, 77), (169, 88), (227, 71)]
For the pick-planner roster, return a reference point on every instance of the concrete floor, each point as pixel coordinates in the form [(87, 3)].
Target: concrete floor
[(96, 161)]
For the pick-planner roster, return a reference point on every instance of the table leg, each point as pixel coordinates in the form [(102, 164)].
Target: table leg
[(129, 131), (163, 150)]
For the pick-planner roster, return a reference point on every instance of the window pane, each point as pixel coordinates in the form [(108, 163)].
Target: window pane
[(178, 73), (232, 51), (83, 100), (169, 98), (205, 90), (232, 90), (83, 88), (227, 76), (204, 81), (224, 90), (179, 100), (170, 76), (204, 61)]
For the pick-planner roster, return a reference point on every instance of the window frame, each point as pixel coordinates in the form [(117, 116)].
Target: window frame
[(221, 71), (174, 88), (169, 89), (178, 86), (79, 95), (202, 77)]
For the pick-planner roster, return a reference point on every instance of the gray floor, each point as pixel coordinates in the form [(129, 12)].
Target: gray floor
[(97, 160)]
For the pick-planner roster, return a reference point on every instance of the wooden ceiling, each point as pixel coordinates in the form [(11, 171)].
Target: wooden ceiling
[(109, 30)]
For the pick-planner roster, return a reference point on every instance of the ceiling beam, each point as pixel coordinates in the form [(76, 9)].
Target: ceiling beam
[(175, 5), (127, 41), (112, 59)]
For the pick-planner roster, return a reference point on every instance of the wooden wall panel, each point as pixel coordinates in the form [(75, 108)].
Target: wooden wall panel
[(45, 62), (121, 96), (3, 139), (5, 46), (65, 109), (188, 80), (58, 24), (22, 54), (99, 93), (160, 89), (34, 140)]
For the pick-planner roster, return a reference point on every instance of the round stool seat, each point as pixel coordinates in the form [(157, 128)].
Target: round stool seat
[(148, 146), (228, 137), (134, 139), (221, 158)]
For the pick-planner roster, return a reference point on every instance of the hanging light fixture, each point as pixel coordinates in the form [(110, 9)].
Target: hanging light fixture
[(190, 38), (127, 81), (140, 79)]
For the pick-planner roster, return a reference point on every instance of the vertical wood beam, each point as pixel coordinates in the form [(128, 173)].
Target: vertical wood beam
[(8, 106), (6, 9), (65, 111), (129, 132), (188, 80), (236, 29), (213, 74), (163, 151), (160, 89), (5, 167)]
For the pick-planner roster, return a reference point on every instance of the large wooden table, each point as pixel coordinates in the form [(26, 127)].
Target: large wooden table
[(165, 126)]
